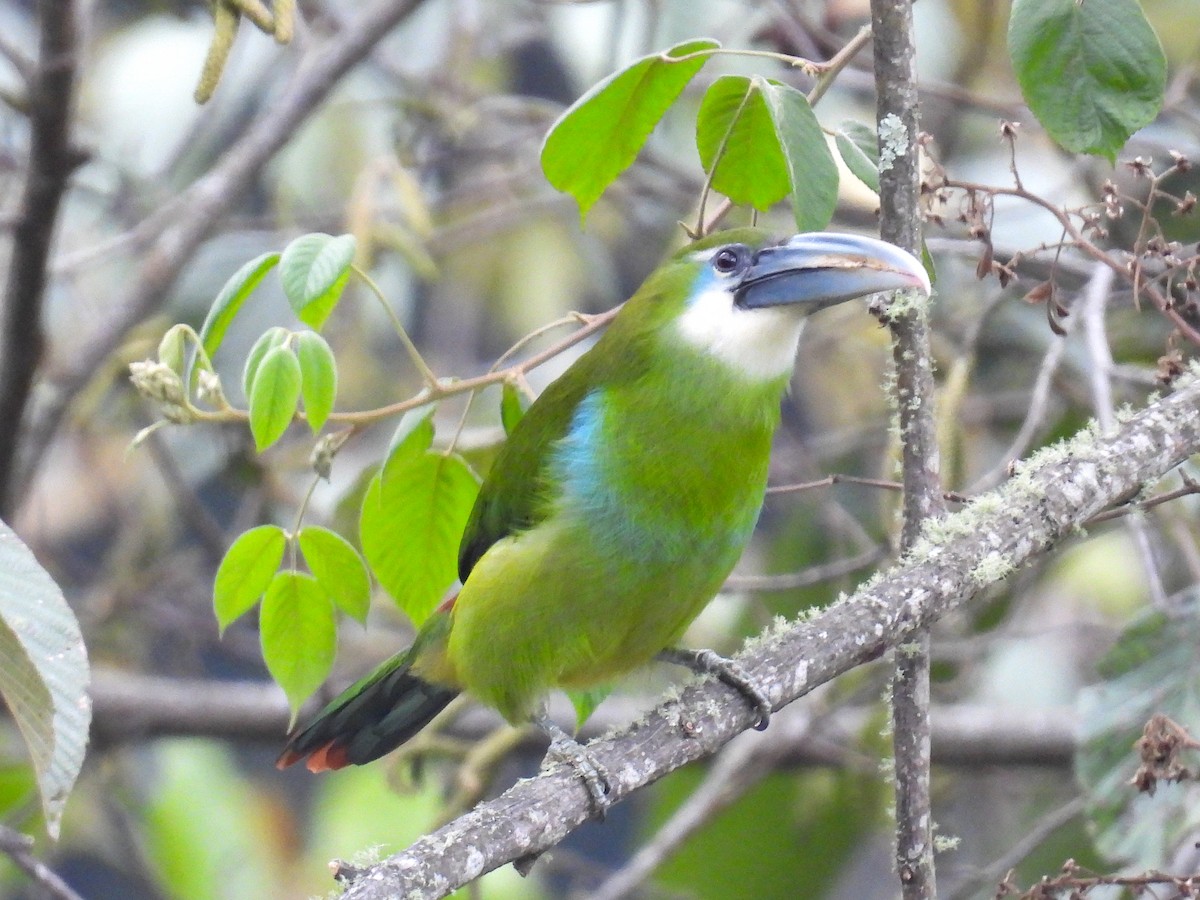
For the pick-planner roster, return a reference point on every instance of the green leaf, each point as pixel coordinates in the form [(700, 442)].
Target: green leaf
[(513, 404), (600, 135), (43, 673), (410, 532), (172, 349), (299, 635), (268, 341), (314, 269), (412, 437), (273, 396), (318, 377), (1153, 668), (858, 146), (586, 701), (245, 572), (338, 569), (1092, 73), (231, 298), (761, 142)]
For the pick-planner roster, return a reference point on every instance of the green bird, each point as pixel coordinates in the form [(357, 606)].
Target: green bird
[(622, 499)]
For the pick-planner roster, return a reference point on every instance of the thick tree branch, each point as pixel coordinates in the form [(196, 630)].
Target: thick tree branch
[(958, 558), (900, 222), (197, 211), (52, 159)]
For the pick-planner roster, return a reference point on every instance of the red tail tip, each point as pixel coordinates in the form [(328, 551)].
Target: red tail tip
[(287, 758), (328, 758)]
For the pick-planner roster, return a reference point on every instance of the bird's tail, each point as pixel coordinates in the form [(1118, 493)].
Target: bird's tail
[(373, 716)]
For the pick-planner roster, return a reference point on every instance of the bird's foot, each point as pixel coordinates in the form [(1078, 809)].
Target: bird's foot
[(565, 748), (706, 662)]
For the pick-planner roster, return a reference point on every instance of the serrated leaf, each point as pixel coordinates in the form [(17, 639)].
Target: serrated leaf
[(318, 377), (314, 269), (299, 635), (338, 568), (245, 572), (513, 403), (601, 133), (761, 142), (1153, 668), (1092, 73), (586, 701), (43, 673), (410, 533), (268, 341), (858, 147), (274, 396), (230, 299)]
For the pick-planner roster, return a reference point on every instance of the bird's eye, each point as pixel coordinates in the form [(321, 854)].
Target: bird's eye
[(729, 259)]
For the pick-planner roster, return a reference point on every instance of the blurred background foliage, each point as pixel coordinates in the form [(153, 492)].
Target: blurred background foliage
[(428, 153)]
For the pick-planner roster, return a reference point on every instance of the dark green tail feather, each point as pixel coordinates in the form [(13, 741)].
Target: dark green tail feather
[(372, 717)]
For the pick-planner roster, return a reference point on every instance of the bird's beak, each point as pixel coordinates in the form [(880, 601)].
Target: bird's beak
[(821, 269)]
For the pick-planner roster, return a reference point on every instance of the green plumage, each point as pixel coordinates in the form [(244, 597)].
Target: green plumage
[(617, 507)]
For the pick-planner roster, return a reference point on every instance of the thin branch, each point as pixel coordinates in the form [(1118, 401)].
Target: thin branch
[(1095, 301), (808, 576), (131, 708), (975, 550), (19, 848), (1037, 834), (52, 159), (203, 204), (742, 765)]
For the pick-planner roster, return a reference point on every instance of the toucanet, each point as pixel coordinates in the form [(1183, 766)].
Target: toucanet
[(624, 496)]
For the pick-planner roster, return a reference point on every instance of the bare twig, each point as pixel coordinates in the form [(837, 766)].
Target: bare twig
[(19, 848), (1095, 301), (736, 770), (808, 576), (975, 549), (1038, 833), (52, 159)]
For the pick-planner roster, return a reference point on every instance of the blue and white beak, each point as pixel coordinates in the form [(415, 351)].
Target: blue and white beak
[(822, 269)]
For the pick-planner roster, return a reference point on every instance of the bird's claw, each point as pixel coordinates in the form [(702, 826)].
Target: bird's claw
[(593, 775), (707, 662)]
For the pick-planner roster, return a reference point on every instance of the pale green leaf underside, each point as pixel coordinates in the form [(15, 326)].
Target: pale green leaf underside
[(231, 297), (43, 673), (314, 269)]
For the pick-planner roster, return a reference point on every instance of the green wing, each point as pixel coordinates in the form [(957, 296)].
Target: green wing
[(511, 498)]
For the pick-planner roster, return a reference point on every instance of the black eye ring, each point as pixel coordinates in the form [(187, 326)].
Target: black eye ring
[(729, 259)]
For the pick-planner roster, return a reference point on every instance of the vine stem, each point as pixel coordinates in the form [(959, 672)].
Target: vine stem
[(430, 379)]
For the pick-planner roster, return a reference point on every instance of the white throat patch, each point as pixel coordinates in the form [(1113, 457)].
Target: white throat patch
[(759, 344)]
